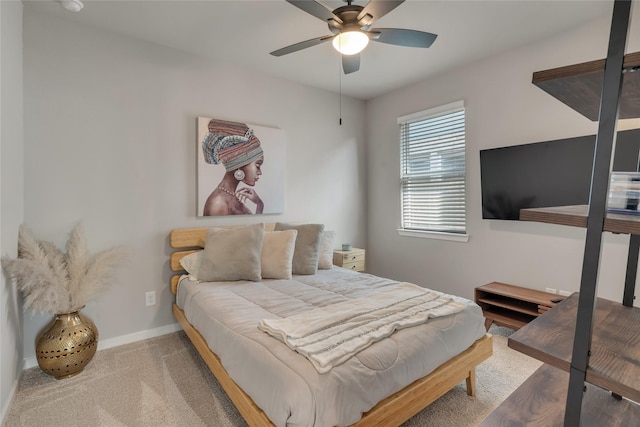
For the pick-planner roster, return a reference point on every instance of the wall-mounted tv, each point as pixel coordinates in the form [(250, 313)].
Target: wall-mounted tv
[(542, 174)]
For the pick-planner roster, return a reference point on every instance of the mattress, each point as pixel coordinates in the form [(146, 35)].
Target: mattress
[(283, 383)]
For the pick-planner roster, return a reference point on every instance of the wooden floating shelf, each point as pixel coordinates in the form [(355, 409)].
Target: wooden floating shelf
[(579, 86), (576, 216), (540, 401), (615, 343)]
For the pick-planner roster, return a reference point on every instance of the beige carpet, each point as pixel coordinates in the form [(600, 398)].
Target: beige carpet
[(163, 382)]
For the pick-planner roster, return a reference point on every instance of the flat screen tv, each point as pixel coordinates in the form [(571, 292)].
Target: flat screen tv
[(543, 174)]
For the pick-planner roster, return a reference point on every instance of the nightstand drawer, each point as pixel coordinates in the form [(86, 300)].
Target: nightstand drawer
[(341, 257), (354, 265)]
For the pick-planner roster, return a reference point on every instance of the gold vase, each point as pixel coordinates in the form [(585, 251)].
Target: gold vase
[(65, 347)]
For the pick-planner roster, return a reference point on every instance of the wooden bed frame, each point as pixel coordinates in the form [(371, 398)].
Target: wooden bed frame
[(392, 411)]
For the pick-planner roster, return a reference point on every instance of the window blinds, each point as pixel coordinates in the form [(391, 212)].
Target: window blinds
[(432, 165)]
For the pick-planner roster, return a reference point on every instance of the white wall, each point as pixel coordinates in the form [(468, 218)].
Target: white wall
[(503, 108), (110, 138), (11, 193)]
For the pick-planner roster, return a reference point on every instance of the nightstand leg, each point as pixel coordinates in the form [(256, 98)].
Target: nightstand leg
[(487, 323)]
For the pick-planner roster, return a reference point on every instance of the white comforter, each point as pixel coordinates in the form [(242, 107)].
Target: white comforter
[(282, 382), (331, 335)]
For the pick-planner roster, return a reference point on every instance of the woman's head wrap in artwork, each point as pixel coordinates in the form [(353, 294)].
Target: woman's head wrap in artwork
[(230, 143)]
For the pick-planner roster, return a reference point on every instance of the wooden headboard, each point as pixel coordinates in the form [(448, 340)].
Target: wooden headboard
[(188, 241)]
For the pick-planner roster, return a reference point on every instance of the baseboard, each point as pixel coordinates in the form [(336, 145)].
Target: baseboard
[(30, 362), (4, 411)]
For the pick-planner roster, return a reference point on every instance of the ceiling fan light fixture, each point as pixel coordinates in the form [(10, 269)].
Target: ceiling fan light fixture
[(350, 42), (72, 5)]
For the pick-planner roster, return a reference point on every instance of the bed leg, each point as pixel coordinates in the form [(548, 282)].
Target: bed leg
[(471, 382)]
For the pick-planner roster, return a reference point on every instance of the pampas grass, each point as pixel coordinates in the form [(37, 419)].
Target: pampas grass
[(53, 281)]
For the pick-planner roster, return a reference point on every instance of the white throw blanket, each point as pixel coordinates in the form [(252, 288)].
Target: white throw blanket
[(330, 335)]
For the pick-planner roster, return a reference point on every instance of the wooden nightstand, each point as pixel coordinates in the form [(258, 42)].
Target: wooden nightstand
[(353, 259)]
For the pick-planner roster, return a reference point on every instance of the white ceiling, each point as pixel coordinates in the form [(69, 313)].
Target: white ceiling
[(243, 32)]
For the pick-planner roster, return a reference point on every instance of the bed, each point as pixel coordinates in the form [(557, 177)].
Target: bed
[(272, 385)]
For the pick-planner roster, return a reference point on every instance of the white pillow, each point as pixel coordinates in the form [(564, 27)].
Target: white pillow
[(232, 254), (277, 254), (325, 254), (191, 263)]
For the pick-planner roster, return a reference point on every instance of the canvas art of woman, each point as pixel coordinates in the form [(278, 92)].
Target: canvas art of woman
[(240, 152)]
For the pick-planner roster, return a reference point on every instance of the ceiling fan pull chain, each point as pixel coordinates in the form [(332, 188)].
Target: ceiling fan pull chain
[(340, 86)]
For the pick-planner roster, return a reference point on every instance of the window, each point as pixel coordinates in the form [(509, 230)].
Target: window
[(432, 172)]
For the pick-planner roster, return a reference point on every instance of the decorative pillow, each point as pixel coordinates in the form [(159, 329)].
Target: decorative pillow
[(305, 254), (232, 254), (325, 254), (191, 263), (277, 254)]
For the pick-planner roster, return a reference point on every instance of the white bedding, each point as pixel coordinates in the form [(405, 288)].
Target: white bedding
[(283, 383), (330, 335)]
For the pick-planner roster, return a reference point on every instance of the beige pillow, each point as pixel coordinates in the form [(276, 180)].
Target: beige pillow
[(325, 254), (277, 254), (191, 263), (305, 255), (232, 254)]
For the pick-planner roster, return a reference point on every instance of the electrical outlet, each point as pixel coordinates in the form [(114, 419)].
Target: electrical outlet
[(564, 293), (551, 290), (150, 298)]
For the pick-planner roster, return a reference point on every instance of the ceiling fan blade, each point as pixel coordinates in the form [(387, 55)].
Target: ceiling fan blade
[(316, 9), (403, 37), (377, 9), (351, 63), (301, 45)]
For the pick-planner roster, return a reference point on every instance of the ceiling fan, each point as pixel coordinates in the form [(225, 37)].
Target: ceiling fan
[(350, 26)]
